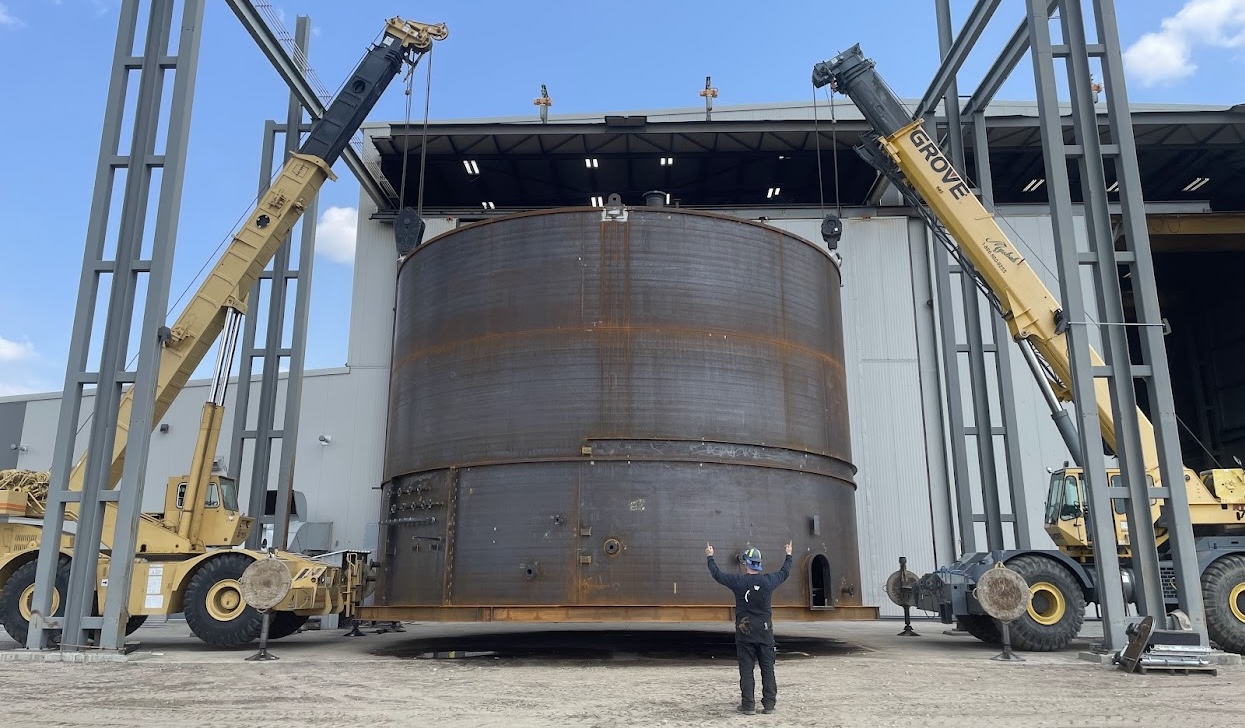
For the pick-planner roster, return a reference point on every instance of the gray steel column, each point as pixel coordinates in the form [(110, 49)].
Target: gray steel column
[(1148, 589), (279, 276), (125, 267), (983, 425), (1101, 523), (1003, 362), (1153, 349), (955, 400), (301, 274), (962, 481), (240, 434), (953, 54)]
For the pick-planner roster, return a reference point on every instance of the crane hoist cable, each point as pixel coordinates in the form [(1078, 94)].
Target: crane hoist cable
[(423, 138), (831, 225), (834, 143), (406, 135), (423, 142)]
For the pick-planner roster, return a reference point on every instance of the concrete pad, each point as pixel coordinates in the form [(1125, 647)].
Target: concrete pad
[(71, 657)]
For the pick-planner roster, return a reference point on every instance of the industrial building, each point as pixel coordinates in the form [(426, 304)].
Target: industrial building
[(785, 166)]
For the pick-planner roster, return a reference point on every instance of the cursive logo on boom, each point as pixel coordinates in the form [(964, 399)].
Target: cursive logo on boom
[(938, 162), (1003, 248)]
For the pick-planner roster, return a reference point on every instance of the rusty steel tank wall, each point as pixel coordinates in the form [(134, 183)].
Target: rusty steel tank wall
[(578, 405)]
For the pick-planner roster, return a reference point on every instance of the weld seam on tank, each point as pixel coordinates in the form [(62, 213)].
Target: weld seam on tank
[(725, 333)]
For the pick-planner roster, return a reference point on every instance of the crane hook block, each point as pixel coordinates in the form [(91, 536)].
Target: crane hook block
[(408, 230), (831, 231)]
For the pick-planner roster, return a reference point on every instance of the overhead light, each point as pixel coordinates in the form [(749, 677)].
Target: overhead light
[(667, 161), (1033, 185), (489, 205), (772, 192), (1196, 184), (471, 166), (1115, 187), (782, 157), (590, 163), (667, 198), (598, 201)]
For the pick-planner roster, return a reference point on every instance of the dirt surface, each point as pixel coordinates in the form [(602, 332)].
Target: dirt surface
[(845, 674)]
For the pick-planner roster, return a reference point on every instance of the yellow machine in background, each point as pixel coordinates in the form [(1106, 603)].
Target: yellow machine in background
[(187, 556)]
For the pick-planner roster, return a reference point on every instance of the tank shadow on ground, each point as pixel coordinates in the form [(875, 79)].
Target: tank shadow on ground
[(683, 646)]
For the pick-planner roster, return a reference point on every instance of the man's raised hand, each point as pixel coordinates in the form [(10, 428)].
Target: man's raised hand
[(788, 548), (708, 550)]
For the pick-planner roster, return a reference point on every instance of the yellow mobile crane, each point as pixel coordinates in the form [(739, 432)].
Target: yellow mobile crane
[(1061, 581), (187, 557)]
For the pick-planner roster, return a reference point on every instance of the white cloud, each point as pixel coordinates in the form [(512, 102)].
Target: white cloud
[(7, 20), (21, 369), (335, 234), (15, 350), (1167, 55), (12, 388)]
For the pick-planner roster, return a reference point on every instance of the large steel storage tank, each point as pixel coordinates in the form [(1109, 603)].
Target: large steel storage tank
[(581, 400)]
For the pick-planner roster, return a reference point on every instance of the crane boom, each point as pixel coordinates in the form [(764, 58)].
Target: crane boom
[(1032, 313), (230, 281)]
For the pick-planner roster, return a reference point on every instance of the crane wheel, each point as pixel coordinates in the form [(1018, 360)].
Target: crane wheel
[(1056, 609), (983, 627), (1223, 592), (133, 623), (18, 592), (214, 608), (284, 624)]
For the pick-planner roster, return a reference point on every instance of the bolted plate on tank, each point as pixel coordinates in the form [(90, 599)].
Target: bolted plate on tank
[(577, 404)]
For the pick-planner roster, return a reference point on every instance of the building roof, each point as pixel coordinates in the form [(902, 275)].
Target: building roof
[(767, 154)]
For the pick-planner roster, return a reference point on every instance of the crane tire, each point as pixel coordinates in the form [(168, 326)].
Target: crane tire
[(983, 627), (214, 608), (284, 624), (1223, 592), (17, 589), (1057, 608), (133, 623)]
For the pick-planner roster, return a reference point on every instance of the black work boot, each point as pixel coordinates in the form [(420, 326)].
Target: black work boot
[(746, 709), (770, 709)]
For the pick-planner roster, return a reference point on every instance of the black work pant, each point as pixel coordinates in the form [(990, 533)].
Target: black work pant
[(751, 653)]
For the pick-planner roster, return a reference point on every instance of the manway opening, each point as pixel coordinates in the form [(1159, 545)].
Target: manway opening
[(683, 646)]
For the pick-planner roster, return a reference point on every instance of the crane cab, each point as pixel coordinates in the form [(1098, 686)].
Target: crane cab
[(219, 519), (1067, 509)]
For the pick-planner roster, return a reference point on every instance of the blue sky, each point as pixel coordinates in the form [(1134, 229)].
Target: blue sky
[(594, 57)]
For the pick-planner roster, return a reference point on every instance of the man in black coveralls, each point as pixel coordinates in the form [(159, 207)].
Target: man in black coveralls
[(754, 624)]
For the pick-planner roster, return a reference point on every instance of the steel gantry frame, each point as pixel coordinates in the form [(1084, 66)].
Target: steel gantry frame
[(130, 260), (1104, 256), (282, 271), (1091, 156), (295, 77), (983, 431)]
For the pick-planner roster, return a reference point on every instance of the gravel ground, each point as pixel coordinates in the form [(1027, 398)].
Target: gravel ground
[(830, 674)]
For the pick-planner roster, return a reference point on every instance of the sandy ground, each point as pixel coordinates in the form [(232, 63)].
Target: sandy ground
[(858, 674)]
